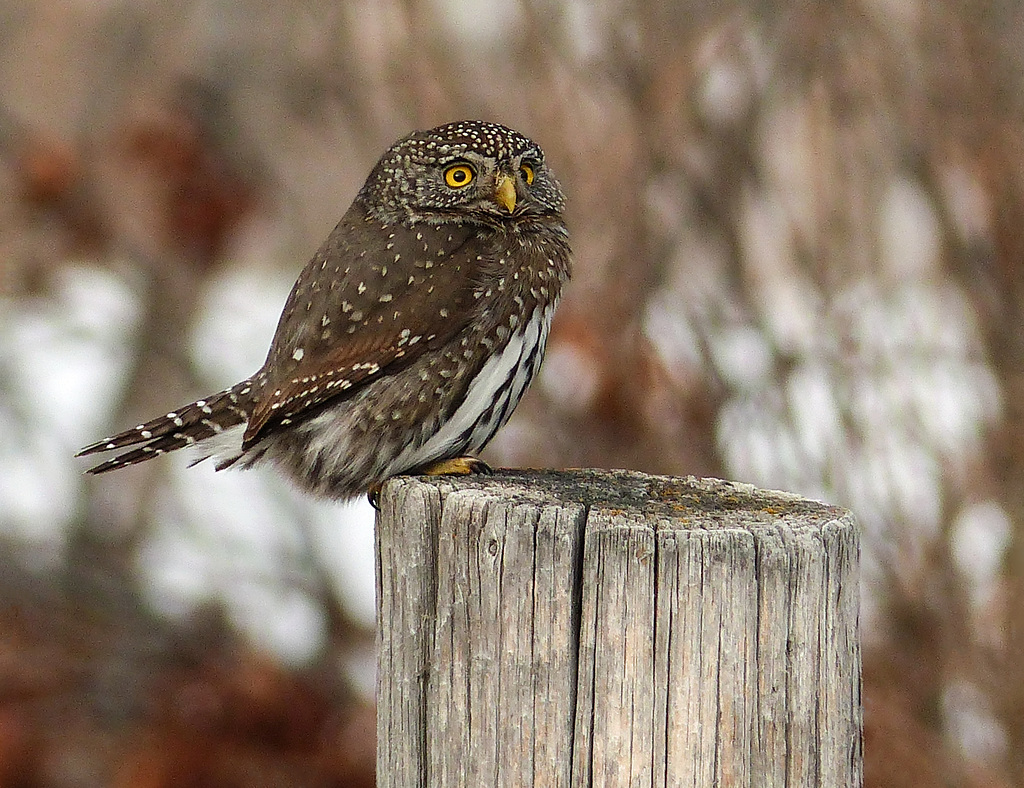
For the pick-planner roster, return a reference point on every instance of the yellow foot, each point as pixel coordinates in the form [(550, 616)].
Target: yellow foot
[(456, 466)]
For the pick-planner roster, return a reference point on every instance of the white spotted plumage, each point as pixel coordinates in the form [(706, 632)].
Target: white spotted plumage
[(495, 390)]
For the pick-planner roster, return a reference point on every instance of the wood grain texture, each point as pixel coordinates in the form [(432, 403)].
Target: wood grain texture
[(610, 628)]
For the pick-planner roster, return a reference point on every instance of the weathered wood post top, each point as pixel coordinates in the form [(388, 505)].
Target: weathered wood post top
[(611, 628)]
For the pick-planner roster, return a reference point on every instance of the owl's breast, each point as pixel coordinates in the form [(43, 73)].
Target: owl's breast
[(522, 269)]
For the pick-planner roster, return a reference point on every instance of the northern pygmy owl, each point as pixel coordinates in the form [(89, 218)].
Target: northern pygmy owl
[(411, 335)]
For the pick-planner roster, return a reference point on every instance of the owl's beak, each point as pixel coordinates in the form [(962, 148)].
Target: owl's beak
[(505, 192)]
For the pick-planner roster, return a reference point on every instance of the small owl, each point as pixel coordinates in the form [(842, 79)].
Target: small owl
[(410, 337)]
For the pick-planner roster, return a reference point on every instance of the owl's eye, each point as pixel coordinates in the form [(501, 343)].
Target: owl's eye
[(459, 175), (527, 171)]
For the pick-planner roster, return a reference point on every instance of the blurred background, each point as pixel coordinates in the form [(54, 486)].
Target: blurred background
[(799, 228)]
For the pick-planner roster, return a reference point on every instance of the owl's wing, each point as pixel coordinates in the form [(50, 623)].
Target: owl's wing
[(373, 297)]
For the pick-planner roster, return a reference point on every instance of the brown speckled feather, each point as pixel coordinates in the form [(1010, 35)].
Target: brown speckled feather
[(366, 309)]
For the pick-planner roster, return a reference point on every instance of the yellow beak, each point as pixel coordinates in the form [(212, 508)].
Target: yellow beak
[(505, 193)]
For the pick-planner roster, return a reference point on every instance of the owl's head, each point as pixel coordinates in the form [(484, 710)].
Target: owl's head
[(469, 171)]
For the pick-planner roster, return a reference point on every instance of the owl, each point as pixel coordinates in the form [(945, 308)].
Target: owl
[(410, 336)]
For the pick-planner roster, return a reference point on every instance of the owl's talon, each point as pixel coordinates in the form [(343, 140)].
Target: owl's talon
[(456, 466), (373, 495)]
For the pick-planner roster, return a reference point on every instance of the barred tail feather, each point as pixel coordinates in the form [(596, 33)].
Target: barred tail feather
[(201, 421)]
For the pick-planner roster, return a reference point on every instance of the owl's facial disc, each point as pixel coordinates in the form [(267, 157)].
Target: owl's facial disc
[(489, 189)]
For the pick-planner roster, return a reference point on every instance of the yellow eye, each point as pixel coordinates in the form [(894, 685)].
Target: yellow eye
[(527, 171), (459, 175)]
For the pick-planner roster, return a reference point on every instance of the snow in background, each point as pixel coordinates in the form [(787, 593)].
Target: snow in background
[(242, 539)]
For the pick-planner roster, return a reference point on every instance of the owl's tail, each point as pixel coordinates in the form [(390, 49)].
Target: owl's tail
[(201, 421)]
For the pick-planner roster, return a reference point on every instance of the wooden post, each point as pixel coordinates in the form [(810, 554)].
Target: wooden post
[(595, 628)]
